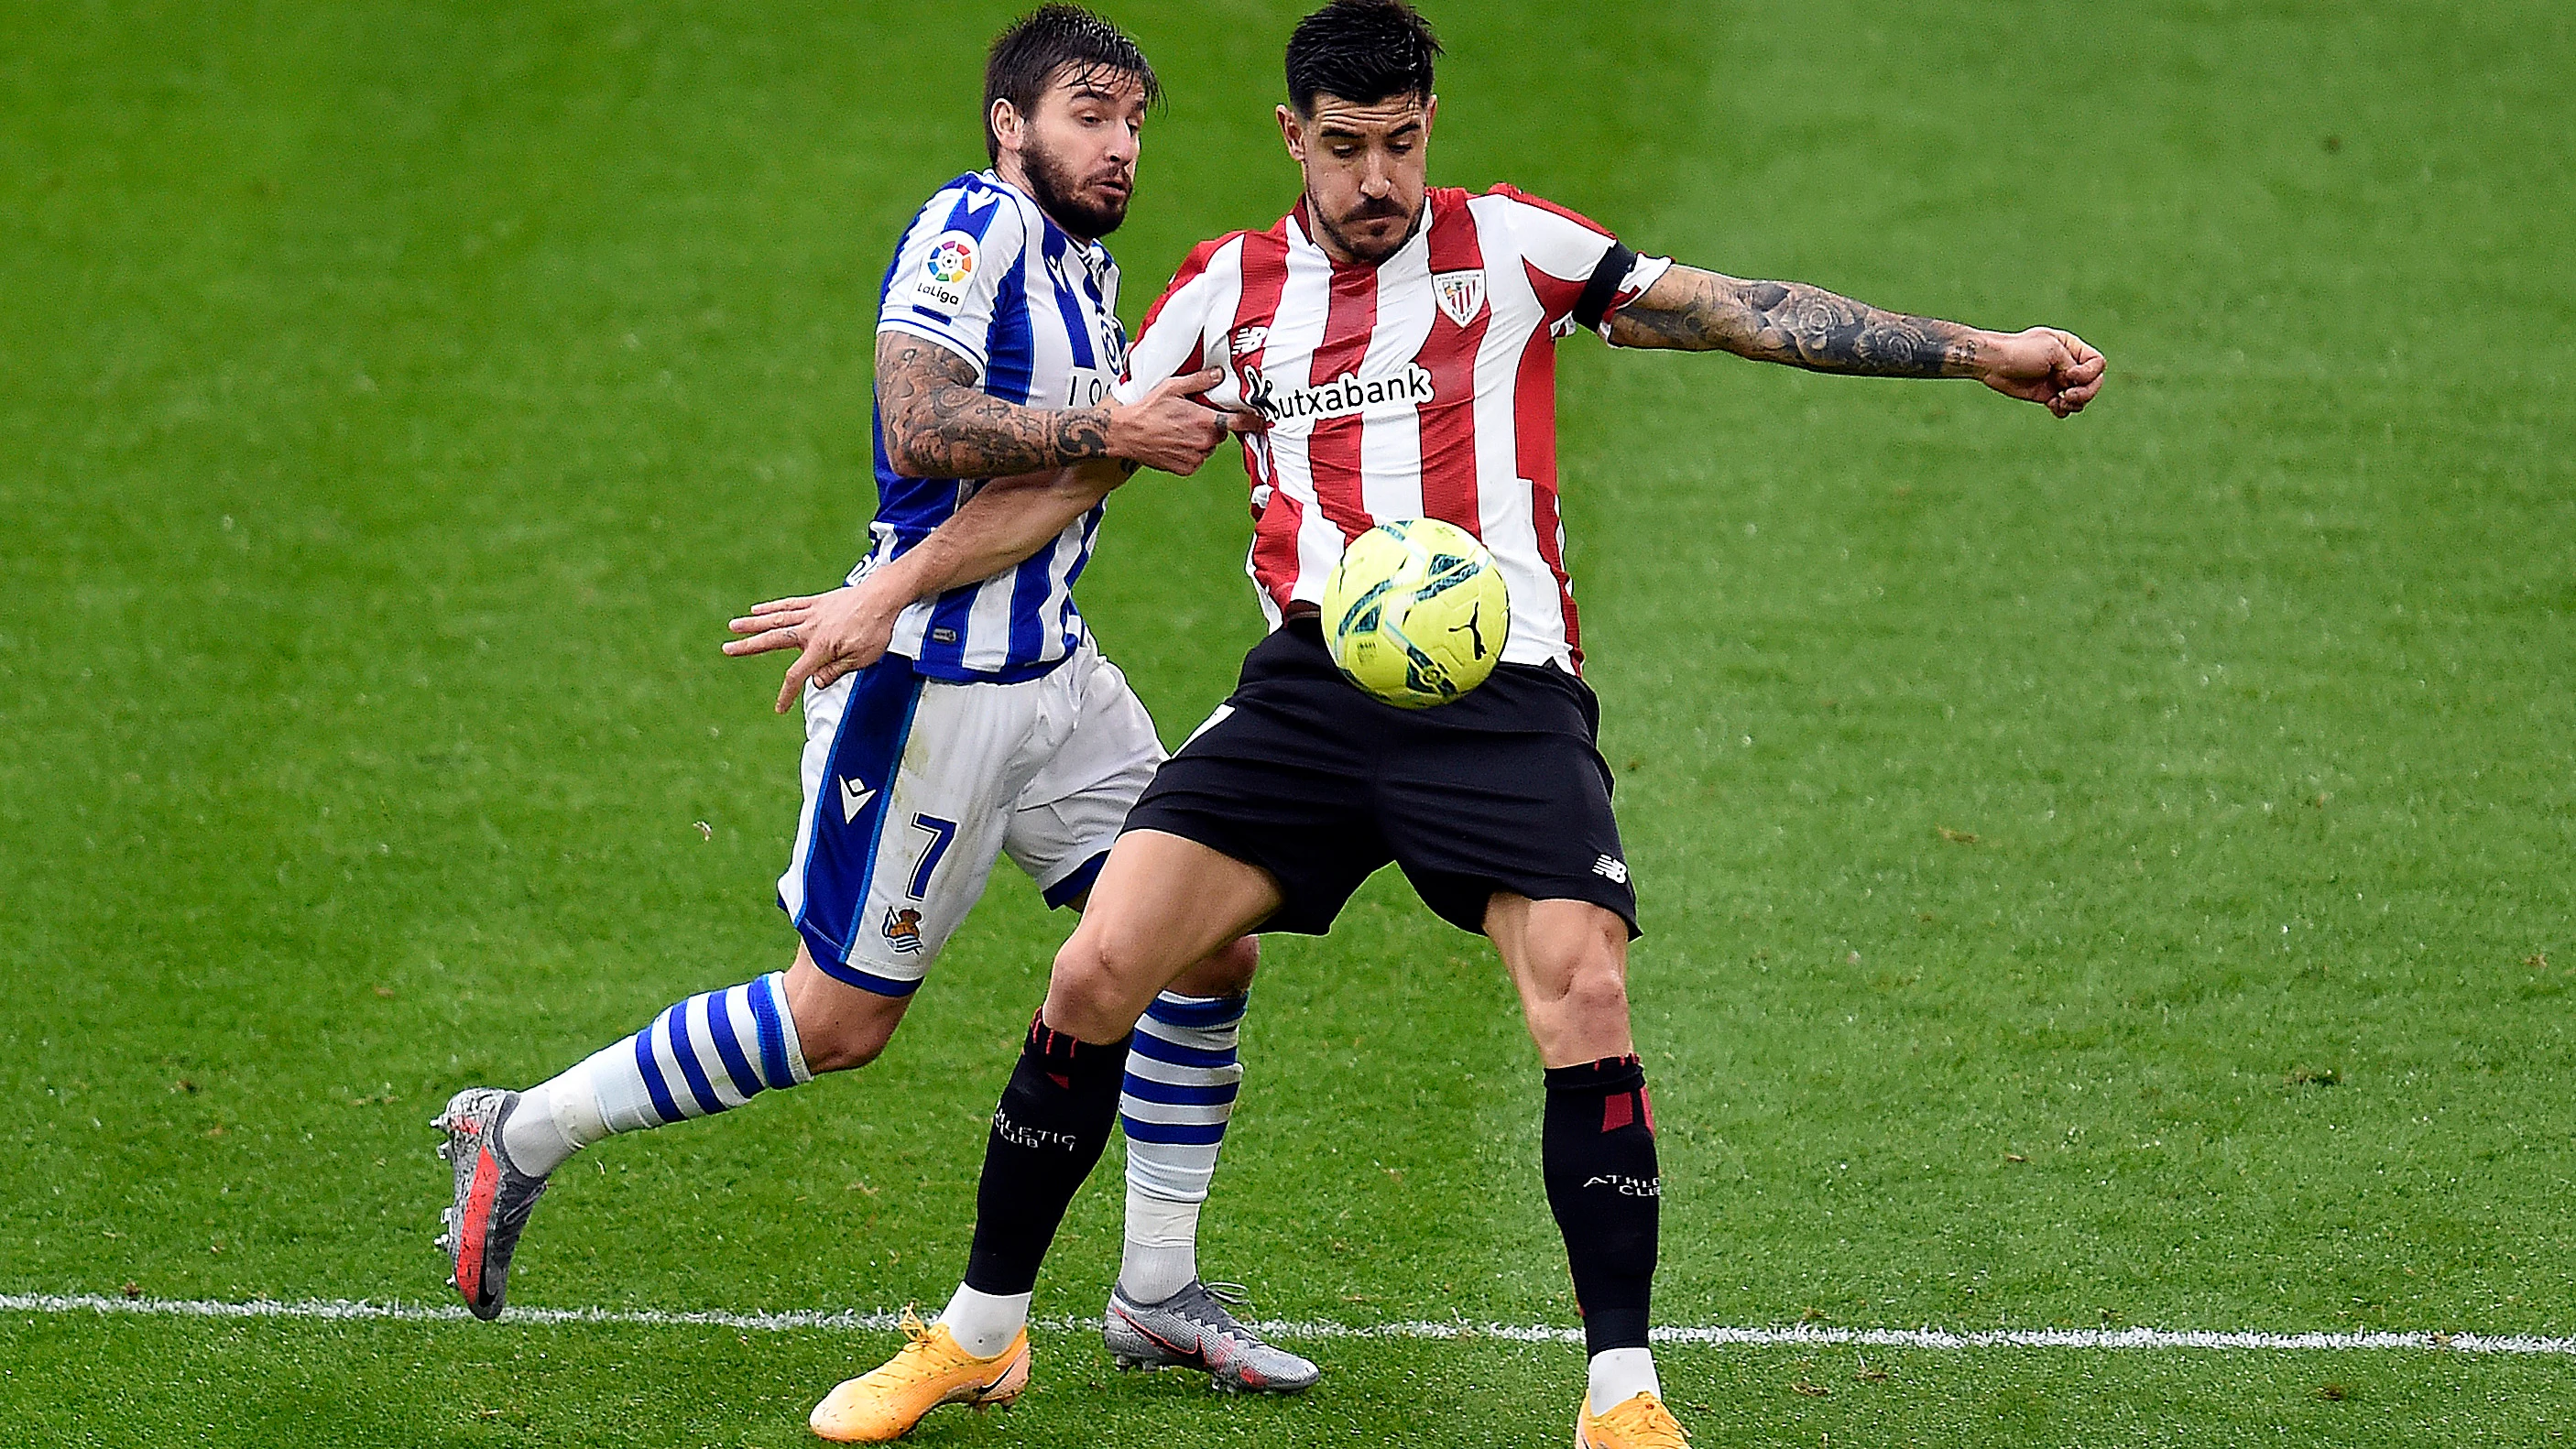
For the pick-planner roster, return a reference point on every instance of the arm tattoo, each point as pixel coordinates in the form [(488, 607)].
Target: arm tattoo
[(1793, 323), (939, 424)]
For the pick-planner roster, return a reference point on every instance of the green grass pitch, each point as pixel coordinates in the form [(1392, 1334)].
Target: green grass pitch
[(2096, 874)]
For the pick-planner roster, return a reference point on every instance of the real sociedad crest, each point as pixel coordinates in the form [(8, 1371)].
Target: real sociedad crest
[(1461, 295)]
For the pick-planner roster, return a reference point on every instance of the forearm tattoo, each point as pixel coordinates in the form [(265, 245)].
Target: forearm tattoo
[(938, 424), (1793, 323)]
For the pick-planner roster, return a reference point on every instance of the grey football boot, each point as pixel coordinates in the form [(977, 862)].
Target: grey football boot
[(1192, 1329), (493, 1198)]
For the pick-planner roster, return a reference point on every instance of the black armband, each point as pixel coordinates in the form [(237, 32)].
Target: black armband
[(1598, 293)]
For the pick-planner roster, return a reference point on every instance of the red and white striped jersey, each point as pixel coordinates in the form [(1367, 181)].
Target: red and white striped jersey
[(1422, 387)]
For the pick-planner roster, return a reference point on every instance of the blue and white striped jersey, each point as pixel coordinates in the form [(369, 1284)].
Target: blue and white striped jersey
[(986, 274)]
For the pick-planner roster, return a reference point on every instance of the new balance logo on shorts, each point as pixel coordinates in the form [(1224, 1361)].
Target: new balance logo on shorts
[(1612, 869)]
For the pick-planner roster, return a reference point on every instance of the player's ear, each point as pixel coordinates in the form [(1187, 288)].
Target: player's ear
[(1006, 122), (1430, 113), (1293, 131)]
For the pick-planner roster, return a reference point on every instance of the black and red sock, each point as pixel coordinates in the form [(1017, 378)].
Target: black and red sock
[(1048, 1133), (1597, 1152)]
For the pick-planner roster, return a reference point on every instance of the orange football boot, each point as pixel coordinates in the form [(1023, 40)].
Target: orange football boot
[(930, 1370), (1639, 1421)]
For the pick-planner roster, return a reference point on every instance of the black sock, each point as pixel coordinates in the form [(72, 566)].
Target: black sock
[(1048, 1133), (1597, 1152)]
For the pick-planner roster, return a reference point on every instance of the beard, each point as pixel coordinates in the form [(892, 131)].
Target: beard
[(1367, 253), (1059, 195)]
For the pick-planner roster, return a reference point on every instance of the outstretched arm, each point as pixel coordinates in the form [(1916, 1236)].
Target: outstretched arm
[(939, 424), (849, 628), (1803, 326)]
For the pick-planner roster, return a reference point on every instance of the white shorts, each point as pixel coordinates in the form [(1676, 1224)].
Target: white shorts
[(914, 786)]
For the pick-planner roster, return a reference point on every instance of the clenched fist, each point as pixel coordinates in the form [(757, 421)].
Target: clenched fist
[(2044, 365)]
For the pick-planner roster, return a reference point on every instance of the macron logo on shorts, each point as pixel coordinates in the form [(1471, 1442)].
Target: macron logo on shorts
[(855, 797), (1611, 869)]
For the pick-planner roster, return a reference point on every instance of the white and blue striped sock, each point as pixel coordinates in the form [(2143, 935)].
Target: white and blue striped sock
[(708, 1054), (1183, 1074)]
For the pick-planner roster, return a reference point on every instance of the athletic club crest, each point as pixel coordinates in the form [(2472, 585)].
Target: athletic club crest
[(1461, 295)]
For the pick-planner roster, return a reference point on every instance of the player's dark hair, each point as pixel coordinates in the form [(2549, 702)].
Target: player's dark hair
[(1364, 51), (1028, 57)]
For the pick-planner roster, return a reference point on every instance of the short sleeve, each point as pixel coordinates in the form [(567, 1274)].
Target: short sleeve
[(1173, 340), (1600, 275), (950, 269)]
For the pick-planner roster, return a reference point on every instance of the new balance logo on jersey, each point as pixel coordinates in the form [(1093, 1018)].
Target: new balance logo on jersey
[(1612, 869), (1339, 398), (1249, 339), (854, 798)]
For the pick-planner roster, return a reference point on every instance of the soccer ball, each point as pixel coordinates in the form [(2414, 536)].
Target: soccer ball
[(1415, 613)]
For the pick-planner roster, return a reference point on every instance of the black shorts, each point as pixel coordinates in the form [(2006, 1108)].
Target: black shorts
[(1303, 775)]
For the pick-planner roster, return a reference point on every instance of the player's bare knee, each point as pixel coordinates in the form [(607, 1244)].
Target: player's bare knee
[(1579, 1010), (1598, 994), (1227, 971), (1078, 959), (1087, 1009), (1082, 997)]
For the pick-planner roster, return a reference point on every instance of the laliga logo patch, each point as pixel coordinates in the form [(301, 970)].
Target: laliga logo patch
[(945, 272), (952, 258), (903, 928), (1461, 295)]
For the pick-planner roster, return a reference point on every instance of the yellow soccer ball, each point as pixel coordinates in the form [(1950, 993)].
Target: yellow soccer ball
[(1416, 613)]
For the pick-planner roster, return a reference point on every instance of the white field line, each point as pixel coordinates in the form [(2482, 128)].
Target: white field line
[(1796, 1336)]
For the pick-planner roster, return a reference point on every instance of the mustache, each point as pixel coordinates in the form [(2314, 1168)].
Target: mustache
[(1375, 211)]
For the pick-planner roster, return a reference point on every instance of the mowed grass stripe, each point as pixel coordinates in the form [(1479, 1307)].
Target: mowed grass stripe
[(342, 1310)]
